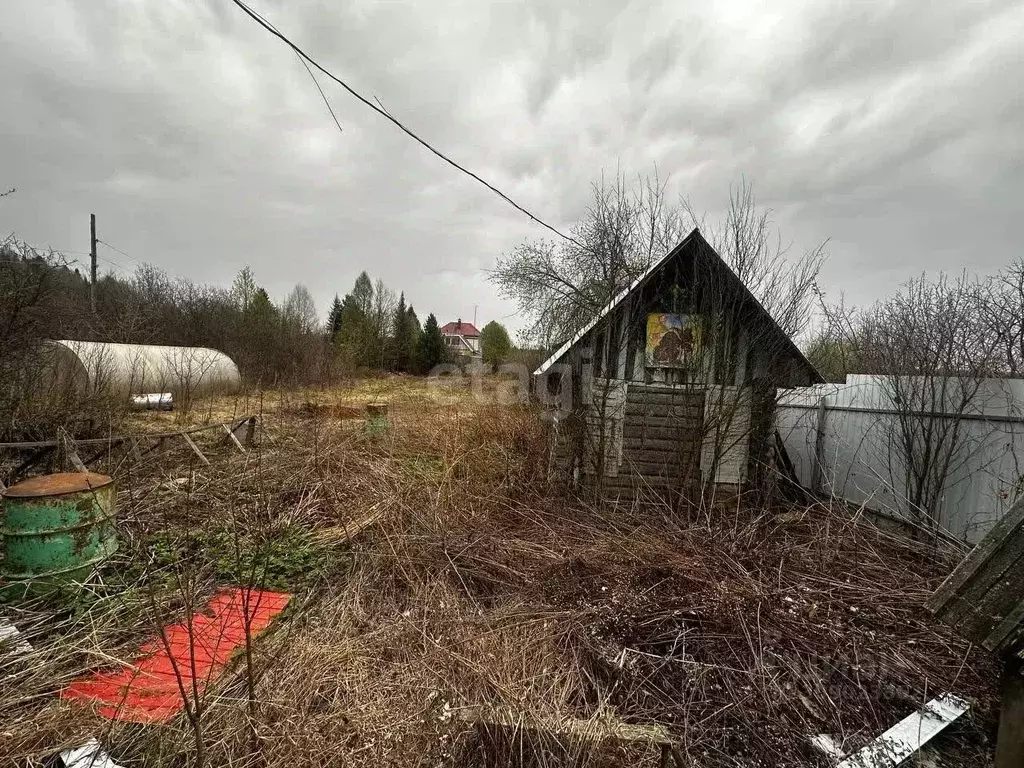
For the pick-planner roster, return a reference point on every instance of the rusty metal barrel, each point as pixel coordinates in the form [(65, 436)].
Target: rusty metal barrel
[(57, 528)]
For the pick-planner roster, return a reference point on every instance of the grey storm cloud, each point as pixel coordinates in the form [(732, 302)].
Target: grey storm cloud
[(895, 130)]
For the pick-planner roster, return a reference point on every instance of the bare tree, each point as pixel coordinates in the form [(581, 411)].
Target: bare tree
[(300, 309), (931, 347), (560, 286), (1002, 311), (380, 321), (749, 242), (29, 288), (189, 369), (720, 391), (301, 339), (244, 288)]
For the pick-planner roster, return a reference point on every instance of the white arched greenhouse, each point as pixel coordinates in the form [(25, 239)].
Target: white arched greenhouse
[(123, 370)]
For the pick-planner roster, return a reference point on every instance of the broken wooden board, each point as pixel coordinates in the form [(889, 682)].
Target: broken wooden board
[(233, 438), (908, 735), (67, 448), (195, 448), (604, 728), (983, 599), (592, 729), (339, 534), (187, 657), (601, 728)]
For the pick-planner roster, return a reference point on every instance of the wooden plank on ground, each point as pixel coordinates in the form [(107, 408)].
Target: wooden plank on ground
[(10, 636), (595, 729), (76, 462), (339, 534), (908, 735), (195, 449), (231, 436)]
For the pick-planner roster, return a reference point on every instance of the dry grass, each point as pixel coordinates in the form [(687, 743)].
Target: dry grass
[(480, 596)]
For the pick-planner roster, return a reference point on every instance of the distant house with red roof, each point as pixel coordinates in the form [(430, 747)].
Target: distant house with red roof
[(462, 338)]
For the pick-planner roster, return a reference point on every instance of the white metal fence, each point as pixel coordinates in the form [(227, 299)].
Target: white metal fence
[(842, 440)]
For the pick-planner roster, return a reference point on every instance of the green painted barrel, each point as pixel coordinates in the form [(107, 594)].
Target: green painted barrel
[(57, 528)]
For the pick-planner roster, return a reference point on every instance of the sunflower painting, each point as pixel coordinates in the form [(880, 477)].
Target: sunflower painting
[(671, 340)]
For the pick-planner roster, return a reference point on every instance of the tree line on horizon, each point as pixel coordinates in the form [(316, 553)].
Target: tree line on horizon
[(274, 343), (369, 329)]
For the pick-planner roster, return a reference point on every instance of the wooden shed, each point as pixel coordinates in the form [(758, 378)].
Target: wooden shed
[(671, 389)]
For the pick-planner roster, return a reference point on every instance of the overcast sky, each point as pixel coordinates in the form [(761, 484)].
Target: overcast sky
[(202, 145)]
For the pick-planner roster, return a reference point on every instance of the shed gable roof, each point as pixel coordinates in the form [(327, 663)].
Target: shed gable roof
[(695, 238)]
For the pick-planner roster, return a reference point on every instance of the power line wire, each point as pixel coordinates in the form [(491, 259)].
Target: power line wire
[(126, 255), (119, 266), (263, 20), (322, 94), (379, 109)]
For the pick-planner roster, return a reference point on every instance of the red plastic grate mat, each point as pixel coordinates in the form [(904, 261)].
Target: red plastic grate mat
[(189, 657)]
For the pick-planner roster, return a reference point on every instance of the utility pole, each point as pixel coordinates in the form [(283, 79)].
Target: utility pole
[(474, 314), (92, 256)]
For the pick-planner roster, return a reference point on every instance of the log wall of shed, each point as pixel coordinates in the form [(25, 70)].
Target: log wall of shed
[(650, 443)]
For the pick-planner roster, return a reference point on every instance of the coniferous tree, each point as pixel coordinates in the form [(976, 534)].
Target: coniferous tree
[(431, 346), (334, 318), (402, 341), (351, 337), (261, 321), (415, 329)]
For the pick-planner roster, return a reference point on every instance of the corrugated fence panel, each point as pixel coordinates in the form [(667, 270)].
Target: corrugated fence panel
[(861, 460)]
